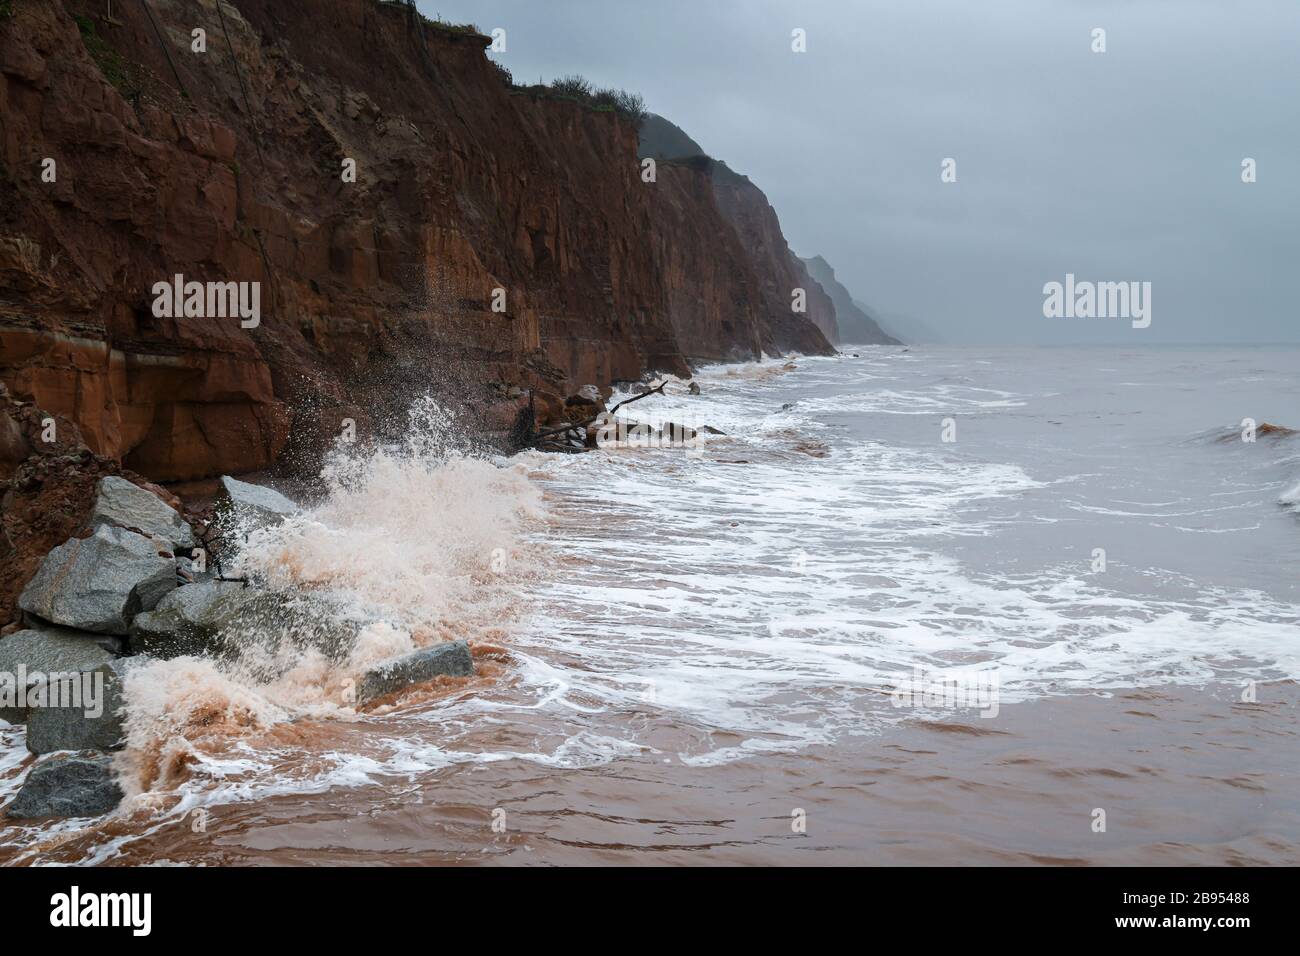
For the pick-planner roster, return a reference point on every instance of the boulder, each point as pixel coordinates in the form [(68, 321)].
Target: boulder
[(187, 621), (101, 582), (587, 395), (450, 659), (80, 710), (255, 505), (271, 623), (68, 785), (122, 504), (223, 618), (32, 653)]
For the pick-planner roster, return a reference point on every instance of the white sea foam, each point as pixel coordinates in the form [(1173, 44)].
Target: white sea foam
[(776, 597), (1291, 498), (13, 754), (949, 399), (778, 605)]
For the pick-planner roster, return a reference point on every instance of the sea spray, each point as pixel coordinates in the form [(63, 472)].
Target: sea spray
[(421, 530), (1291, 498), (419, 541)]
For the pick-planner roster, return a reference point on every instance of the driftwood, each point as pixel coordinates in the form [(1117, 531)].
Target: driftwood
[(212, 549), (582, 426)]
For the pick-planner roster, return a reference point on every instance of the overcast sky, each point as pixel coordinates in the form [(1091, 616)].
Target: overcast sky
[(1123, 165)]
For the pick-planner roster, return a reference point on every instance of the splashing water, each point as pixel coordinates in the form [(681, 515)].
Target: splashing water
[(422, 531), (419, 540)]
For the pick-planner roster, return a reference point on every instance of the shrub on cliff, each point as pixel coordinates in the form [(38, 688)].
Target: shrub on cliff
[(631, 105), (447, 26), (506, 76), (437, 22), (574, 87)]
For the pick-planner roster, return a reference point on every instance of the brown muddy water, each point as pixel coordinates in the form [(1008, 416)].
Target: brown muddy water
[(1187, 777)]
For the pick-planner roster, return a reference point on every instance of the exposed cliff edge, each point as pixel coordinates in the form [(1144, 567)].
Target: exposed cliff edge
[(226, 165), (747, 209), (855, 324), (743, 204)]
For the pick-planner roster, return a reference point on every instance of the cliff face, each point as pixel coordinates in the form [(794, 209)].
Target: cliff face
[(780, 272), (856, 325), (226, 165), (664, 140)]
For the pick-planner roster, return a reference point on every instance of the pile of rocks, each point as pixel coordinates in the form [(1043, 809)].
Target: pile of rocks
[(135, 585)]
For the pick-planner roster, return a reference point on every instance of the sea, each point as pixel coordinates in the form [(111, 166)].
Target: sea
[(900, 605)]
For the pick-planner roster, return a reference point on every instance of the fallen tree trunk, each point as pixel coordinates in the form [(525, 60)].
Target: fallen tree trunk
[(539, 437)]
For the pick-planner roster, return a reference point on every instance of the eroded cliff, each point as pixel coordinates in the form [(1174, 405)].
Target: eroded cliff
[(792, 296), (783, 273), (129, 157)]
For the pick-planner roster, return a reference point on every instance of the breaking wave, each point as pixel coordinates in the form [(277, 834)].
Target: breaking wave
[(422, 541)]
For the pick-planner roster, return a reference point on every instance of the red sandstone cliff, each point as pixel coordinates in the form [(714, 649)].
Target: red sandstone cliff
[(227, 168), (746, 207), (778, 270)]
